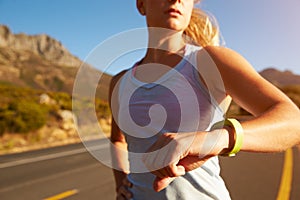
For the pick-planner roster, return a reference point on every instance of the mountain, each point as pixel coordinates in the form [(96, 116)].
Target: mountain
[(280, 78), (41, 62), (41, 45)]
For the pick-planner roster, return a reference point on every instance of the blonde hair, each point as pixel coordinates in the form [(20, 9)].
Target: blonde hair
[(203, 29)]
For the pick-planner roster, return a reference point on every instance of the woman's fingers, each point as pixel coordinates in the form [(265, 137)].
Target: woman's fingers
[(163, 153), (177, 170), (120, 197), (161, 173), (127, 183), (166, 175), (172, 170), (123, 192), (161, 183)]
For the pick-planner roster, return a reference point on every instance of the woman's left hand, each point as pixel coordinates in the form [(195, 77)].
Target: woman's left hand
[(174, 154)]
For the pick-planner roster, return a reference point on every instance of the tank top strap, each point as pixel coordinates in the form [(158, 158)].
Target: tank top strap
[(209, 79)]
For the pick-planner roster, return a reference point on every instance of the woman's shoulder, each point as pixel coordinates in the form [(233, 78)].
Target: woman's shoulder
[(117, 77), (115, 81), (226, 59), (222, 54), (219, 54)]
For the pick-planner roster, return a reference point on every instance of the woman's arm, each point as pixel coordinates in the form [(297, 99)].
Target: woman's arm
[(120, 163), (118, 146), (119, 157), (275, 126)]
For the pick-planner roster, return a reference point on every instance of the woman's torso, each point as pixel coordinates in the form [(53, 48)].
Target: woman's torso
[(177, 102)]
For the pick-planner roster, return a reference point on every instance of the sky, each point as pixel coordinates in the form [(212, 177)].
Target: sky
[(265, 32)]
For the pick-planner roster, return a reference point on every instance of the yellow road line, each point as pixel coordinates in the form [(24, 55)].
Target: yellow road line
[(62, 195), (286, 177)]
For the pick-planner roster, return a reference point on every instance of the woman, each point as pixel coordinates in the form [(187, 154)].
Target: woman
[(205, 77)]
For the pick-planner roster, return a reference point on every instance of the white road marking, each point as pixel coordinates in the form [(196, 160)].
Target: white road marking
[(51, 156), (48, 178)]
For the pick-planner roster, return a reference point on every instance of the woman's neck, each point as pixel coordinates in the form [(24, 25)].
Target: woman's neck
[(164, 45), (164, 52)]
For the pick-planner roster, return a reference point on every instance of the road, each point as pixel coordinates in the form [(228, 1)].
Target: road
[(259, 176), (71, 173), (40, 176)]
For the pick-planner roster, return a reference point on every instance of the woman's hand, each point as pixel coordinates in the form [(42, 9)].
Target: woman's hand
[(123, 192), (174, 154)]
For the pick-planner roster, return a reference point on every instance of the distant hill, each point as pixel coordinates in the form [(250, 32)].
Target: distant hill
[(281, 78), (40, 62), (41, 45)]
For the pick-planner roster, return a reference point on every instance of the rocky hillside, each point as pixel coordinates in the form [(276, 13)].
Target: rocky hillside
[(37, 74), (40, 62), (41, 45)]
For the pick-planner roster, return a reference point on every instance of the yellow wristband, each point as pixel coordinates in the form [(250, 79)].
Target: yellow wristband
[(238, 135)]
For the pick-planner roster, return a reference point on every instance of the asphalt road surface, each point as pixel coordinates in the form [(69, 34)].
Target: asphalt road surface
[(71, 173)]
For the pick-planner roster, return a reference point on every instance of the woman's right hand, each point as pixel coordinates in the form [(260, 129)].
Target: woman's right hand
[(123, 192)]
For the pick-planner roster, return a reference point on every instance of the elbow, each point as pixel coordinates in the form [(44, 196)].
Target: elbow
[(293, 119)]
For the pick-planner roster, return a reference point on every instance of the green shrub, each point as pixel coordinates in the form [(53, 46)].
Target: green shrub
[(22, 116), (102, 109), (64, 100)]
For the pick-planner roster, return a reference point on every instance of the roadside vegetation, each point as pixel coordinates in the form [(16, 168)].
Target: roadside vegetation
[(29, 116)]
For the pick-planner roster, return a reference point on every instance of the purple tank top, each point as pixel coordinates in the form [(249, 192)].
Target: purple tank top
[(177, 102)]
